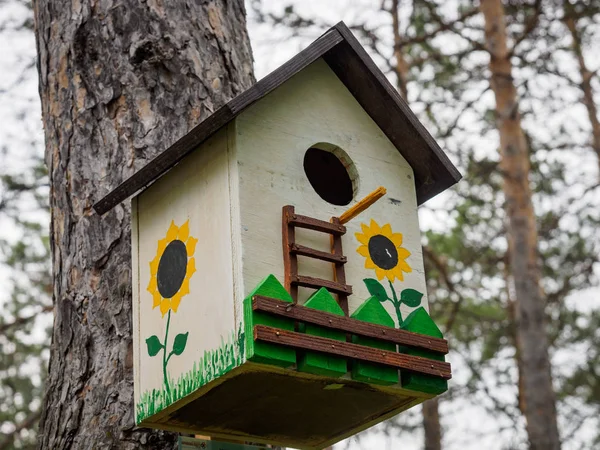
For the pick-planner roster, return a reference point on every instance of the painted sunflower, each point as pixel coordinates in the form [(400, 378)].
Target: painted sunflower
[(172, 268), (383, 251)]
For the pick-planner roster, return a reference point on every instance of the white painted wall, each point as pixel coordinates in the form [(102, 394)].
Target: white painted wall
[(271, 138), (196, 190)]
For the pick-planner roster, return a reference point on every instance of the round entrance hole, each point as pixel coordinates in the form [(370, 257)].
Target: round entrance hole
[(331, 173)]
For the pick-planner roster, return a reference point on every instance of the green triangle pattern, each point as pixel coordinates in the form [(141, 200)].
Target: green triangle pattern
[(420, 322), (320, 363), (373, 312), (264, 352)]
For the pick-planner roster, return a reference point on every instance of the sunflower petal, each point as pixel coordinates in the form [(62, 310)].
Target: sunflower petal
[(363, 250), (165, 305), (369, 264), (404, 266), (185, 287), (172, 232), (366, 230), (191, 268), (190, 246), (156, 298), (362, 238), (386, 230), (380, 273), (162, 244), (375, 228), (390, 275), (175, 301), (184, 231), (154, 266), (403, 253), (396, 238), (152, 285), (398, 273)]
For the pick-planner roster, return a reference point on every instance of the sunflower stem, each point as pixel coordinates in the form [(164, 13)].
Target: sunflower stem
[(165, 360), (396, 303)]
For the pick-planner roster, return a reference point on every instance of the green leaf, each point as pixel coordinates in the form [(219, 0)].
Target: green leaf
[(411, 297), (179, 343), (154, 345), (376, 289)]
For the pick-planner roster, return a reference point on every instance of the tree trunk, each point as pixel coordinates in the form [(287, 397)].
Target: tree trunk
[(119, 82), (586, 80), (539, 398), (431, 425)]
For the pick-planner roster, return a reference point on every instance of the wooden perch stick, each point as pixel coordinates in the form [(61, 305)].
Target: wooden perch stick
[(362, 205)]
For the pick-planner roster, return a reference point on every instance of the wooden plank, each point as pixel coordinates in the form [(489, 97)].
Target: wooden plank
[(310, 223), (316, 283), (303, 314), (186, 144), (290, 260), (362, 205), (317, 254), (433, 170), (360, 352)]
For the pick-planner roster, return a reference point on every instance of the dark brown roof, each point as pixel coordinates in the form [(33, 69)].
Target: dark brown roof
[(348, 59)]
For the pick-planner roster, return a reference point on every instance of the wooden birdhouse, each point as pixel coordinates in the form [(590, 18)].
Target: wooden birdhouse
[(278, 283)]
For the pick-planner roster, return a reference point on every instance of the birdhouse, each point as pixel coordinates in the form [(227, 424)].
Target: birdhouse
[(279, 294)]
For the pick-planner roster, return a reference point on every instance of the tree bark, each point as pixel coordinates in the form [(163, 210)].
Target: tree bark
[(431, 425), (586, 80), (119, 82), (539, 397)]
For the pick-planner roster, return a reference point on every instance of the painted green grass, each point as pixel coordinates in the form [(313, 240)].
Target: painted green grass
[(212, 365)]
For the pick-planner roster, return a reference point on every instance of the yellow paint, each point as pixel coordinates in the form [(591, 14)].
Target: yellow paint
[(182, 234), (354, 211), (396, 238)]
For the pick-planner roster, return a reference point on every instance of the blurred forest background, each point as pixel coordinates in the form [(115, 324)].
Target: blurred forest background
[(510, 90)]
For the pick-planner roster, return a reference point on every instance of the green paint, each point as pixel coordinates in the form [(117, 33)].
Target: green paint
[(320, 363), (420, 322), (165, 359), (410, 297), (263, 352), (214, 364), (373, 312)]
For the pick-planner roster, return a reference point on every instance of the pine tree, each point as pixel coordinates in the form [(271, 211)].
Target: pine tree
[(119, 83)]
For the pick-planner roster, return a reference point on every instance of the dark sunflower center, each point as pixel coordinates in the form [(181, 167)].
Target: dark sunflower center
[(383, 252), (171, 269)]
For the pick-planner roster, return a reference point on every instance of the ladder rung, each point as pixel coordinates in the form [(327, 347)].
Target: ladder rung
[(316, 224), (317, 254), (317, 283)]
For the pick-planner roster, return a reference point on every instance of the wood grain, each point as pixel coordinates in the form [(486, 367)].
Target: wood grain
[(317, 254), (308, 315), (316, 283), (310, 223), (360, 352)]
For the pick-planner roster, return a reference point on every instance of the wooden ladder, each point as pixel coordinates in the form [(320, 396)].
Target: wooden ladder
[(291, 250)]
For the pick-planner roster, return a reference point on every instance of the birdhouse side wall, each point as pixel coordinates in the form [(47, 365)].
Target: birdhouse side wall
[(314, 108), (185, 335)]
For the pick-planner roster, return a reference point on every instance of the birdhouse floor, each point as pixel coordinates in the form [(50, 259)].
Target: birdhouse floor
[(267, 404)]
